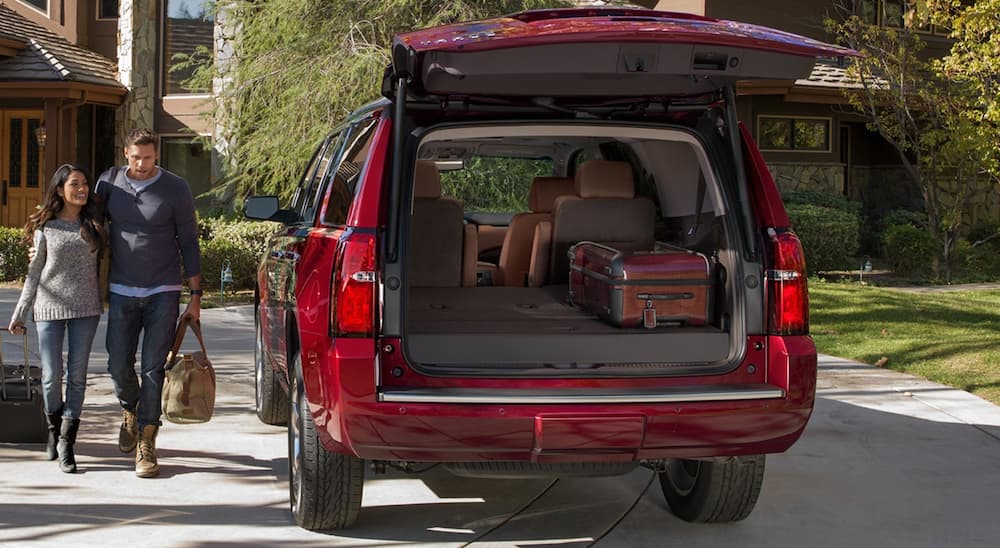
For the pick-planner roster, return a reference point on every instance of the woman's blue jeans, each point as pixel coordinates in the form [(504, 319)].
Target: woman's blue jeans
[(155, 317), (79, 336)]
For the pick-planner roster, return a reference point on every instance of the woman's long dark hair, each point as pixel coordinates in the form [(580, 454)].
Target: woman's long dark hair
[(91, 214)]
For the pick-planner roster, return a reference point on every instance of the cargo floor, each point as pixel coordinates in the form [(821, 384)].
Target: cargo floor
[(519, 326)]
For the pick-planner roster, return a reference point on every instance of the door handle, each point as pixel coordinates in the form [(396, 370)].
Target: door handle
[(3, 194)]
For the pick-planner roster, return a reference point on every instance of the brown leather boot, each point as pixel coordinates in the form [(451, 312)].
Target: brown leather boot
[(145, 453), (128, 434)]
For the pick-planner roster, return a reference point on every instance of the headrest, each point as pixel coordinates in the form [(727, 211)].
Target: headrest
[(545, 190), (604, 179), (426, 180)]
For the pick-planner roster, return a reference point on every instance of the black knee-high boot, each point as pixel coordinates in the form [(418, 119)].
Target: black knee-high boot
[(55, 421), (67, 437)]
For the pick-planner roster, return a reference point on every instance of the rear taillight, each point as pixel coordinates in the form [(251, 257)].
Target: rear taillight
[(354, 281), (787, 294)]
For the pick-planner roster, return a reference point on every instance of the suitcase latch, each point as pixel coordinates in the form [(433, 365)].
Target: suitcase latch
[(649, 315)]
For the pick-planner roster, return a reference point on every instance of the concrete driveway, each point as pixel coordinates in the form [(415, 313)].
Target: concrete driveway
[(887, 460)]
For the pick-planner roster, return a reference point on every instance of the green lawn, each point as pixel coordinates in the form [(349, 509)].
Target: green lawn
[(949, 337)]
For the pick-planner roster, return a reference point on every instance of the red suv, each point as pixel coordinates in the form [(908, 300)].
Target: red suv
[(423, 304)]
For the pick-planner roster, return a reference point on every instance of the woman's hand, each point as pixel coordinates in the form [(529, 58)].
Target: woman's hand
[(16, 327)]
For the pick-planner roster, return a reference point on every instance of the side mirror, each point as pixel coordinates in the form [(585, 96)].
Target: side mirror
[(265, 208)]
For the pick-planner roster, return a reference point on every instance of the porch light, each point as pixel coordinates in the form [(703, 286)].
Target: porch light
[(40, 135), (225, 277), (865, 266)]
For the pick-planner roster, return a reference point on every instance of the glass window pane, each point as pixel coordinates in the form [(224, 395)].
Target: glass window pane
[(812, 135), (40, 4), (34, 160), (893, 13), (16, 140), (189, 26), (775, 133), (866, 10), (344, 182), (190, 159), (494, 184), (107, 9)]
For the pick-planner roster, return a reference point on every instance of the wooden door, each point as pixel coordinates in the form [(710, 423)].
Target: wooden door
[(21, 161)]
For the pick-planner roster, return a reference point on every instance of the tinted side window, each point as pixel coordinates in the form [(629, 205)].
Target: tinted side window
[(313, 171), (342, 182)]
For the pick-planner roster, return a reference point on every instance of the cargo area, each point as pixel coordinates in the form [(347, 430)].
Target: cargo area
[(493, 290)]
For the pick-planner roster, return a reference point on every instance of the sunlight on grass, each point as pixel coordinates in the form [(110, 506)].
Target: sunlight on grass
[(951, 337)]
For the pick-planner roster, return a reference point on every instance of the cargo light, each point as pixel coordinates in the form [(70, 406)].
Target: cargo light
[(788, 294), (354, 280)]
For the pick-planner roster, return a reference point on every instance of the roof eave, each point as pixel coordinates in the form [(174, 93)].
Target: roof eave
[(87, 93)]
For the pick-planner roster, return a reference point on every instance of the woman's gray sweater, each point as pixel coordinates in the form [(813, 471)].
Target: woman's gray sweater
[(62, 279)]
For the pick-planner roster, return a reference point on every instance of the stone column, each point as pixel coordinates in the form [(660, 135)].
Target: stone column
[(137, 64), (225, 33)]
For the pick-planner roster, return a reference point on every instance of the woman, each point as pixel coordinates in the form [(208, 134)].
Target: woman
[(61, 289)]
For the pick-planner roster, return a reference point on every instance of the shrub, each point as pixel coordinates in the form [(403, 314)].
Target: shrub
[(13, 254), (895, 217), (240, 242), (979, 263), (987, 232), (242, 261), (829, 236), (249, 234), (909, 249), (821, 199)]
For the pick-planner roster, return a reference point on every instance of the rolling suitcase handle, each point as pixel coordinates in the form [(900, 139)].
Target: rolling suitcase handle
[(25, 370), (24, 419)]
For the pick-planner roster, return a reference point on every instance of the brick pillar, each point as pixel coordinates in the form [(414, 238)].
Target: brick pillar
[(137, 64)]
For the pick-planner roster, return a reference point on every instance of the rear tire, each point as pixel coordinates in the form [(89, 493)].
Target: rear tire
[(713, 491), (271, 401), (324, 488)]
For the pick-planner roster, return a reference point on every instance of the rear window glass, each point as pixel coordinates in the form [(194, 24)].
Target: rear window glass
[(495, 184)]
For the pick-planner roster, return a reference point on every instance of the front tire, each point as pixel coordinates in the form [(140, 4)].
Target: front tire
[(271, 401), (713, 491), (324, 488)]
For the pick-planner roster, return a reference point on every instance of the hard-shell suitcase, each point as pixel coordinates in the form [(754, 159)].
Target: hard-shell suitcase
[(666, 286), (22, 411)]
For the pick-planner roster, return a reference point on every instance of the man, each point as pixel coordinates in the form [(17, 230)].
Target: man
[(152, 217)]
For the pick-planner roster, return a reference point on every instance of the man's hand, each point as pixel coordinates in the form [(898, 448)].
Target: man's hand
[(194, 305), (193, 308)]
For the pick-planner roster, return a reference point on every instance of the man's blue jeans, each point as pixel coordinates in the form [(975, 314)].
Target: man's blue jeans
[(79, 336), (156, 317)]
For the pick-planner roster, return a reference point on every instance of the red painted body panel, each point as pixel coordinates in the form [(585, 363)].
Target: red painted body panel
[(583, 25), (357, 423), (767, 204)]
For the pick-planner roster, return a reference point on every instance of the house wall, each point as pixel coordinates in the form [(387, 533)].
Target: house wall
[(803, 17)]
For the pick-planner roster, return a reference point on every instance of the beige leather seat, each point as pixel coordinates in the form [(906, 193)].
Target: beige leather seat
[(604, 210), (439, 239), (515, 255)]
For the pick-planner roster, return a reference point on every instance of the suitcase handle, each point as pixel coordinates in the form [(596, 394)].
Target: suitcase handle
[(25, 371)]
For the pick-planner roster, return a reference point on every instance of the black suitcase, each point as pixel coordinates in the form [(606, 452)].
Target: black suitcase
[(22, 412)]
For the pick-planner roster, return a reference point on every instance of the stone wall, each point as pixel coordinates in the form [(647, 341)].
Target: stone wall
[(819, 177), (880, 189), (137, 64)]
